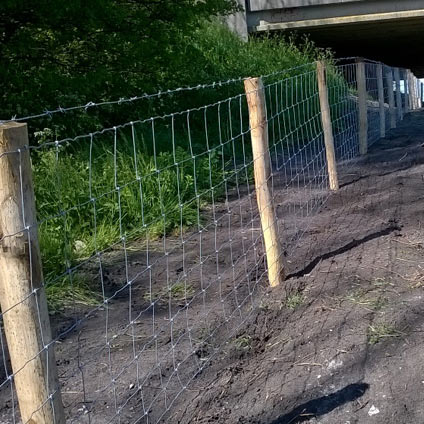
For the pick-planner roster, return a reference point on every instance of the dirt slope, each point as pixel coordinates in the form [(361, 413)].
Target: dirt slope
[(351, 348)]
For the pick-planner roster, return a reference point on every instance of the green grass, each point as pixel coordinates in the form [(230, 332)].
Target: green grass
[(295, 300), (149, 207), (177, 292), (381, 331), (361, 297), (67, 294), (243, 343)]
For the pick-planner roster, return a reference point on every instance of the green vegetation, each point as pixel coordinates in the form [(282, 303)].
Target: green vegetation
[(65, 294), (149, 179), (243, 343), (362, 298), (177, 292), (295, 300), (381, 331), (67, 52)]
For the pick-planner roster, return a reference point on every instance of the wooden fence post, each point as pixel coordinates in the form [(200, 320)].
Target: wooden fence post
[(419, 94), (406, 89), (399, 107), (411, 90), (415, 91), (256, 102), (327, 126), (422, 93), (391, 94), (362, 104), (22, 295), (380, 85)]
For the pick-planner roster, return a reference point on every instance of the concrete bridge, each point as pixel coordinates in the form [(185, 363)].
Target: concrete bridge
[(388, 30)]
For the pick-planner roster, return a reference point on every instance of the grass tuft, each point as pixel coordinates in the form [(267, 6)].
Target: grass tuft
[(177, 292), (360, 297), (295, 300), (243, 343), (66, 294), (381, 331)]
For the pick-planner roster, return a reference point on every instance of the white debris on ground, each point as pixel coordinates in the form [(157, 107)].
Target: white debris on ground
[(373, 411)]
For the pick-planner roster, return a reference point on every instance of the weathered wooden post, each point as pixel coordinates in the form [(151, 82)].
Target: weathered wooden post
[(406, 90), (327, 127), (414, 90), (422, 93), (411, 90), (399, 107), (382, 109), (419, 94), (391, 94), (22, 295), (362, 105), (255, 96)]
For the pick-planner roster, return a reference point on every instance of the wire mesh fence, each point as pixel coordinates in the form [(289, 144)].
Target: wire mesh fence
[(152, 244)]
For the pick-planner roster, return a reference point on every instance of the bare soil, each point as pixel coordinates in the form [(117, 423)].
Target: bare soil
[(341, 342)]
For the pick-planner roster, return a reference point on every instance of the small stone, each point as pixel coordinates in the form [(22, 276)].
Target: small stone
[(334, 364), (373, 411)]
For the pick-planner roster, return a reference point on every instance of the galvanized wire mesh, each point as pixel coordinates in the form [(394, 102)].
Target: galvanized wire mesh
[(151, 238)]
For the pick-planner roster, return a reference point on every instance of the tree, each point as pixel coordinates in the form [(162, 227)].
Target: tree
[(62, 52)]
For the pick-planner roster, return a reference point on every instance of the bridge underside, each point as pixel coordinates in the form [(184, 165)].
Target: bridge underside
[(386, 30), (391, 43)]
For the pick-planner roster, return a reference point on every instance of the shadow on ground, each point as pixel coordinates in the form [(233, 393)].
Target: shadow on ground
[(323, 405)]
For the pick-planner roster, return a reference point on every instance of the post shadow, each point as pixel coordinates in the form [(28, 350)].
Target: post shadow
[(323, 405)]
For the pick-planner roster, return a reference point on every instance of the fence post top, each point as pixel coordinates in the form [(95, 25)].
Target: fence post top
[(13, 135), (252, 80), (253, 84), (11, 124)]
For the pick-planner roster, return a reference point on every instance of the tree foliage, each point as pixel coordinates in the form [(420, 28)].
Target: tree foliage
[(67, 51)]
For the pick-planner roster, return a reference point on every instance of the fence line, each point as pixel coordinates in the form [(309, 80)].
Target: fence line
[(213, 85), (152, 245)]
